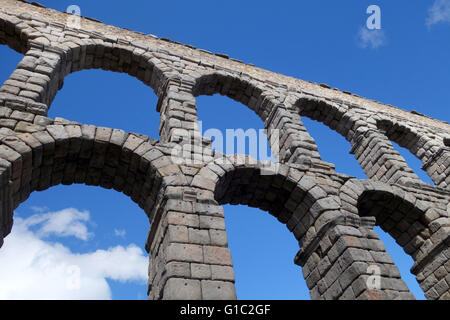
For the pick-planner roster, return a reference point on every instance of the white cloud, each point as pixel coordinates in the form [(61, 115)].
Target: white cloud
[(39, 209), (31, 268), (64, 223), (371, 38), (120, 233), (438, 12)]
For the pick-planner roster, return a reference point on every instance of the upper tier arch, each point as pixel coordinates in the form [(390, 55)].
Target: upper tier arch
[(251, 93), (74, 56)]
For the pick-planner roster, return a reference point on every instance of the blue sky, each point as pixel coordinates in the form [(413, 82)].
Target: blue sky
[(405, 64)]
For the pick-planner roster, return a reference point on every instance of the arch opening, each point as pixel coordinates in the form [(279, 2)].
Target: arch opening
[(87, 55), (334, 148), (397, 216), (232, 129), (400, 224), (108, 99), (135, 62), (403, 261), (330, 115), (276, 194), (413, 162), (256, 255), (416, 148), (248, 92), (387, 165), (235, 88), (77, 243), (74, 154), (339, 121)]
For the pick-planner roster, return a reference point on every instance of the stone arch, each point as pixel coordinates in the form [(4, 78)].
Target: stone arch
[(67, 153), (110, 56), (115, 57), (337, 117), (330, 239), (291, 196), (373, 150), (247, 91), (50, 64), (396, 211), (257, 96), (16, 34), (288, 138), (419, 227), (423, 145)]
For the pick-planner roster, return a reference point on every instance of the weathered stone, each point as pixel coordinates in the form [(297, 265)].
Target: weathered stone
[(217, 255), (218, 290), (184, 252), (212, 223), (199, 236), (332, 215), (182, 289), (222, 273), (200, 271), (178, 269)]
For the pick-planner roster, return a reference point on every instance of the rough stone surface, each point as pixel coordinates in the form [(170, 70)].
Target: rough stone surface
[(181, 183)]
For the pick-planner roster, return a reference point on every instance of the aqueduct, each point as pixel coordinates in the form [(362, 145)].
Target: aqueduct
[(332, 215)]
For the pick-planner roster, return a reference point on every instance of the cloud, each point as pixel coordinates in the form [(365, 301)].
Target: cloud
[(371, 38), (120, 233), (64, 223), (438, 12), (39, 209), (31, 268)]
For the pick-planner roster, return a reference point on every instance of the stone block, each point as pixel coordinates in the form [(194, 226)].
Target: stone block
[(178, 269), (207, 222), (218, 290), (200, 271), (179, 218), (182, 289), (218, 237), (217, 255), (222, 273), (178, 233), (199, 236), (184, 252)]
